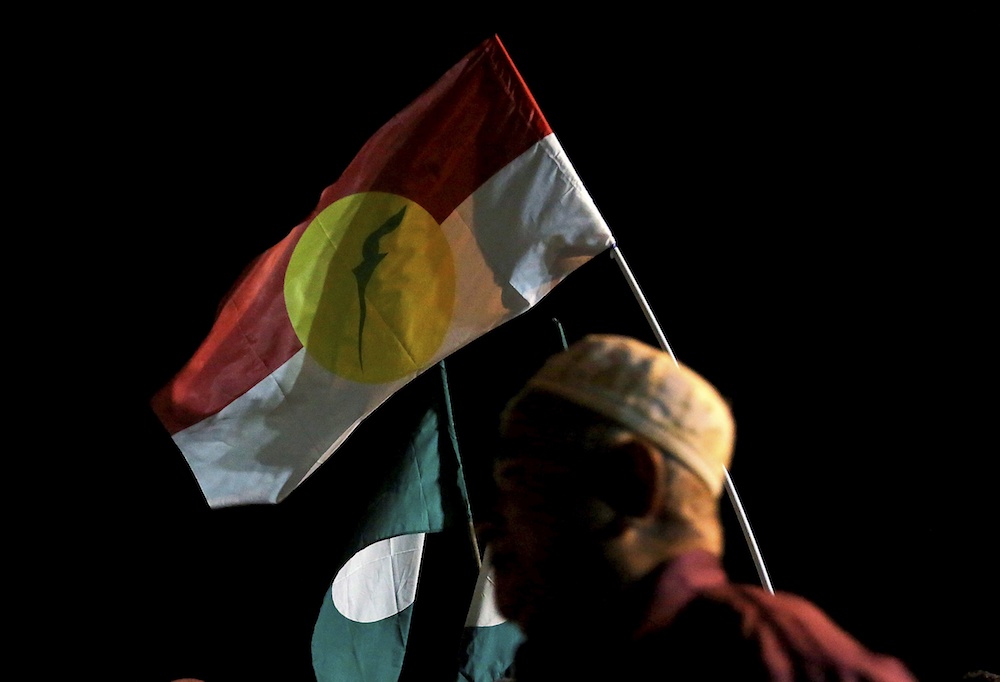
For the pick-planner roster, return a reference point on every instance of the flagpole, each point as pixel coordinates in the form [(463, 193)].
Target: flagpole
[(734, 498), (453, 434)]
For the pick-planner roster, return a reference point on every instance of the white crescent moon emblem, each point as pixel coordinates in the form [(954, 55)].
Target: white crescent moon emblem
[(380, 580)]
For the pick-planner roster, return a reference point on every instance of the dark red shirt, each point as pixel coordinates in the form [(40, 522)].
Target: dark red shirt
[(791, 637), (697, 625)]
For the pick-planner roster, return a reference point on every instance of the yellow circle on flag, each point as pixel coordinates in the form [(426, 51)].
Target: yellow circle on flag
[(370, 287)]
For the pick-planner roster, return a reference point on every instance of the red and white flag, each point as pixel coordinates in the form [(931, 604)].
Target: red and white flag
[(459, 214)]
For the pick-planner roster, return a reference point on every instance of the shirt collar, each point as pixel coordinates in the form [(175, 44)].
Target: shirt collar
[(680, 581)]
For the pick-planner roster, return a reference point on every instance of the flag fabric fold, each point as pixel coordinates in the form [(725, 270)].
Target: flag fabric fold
[(456, 216), (489, 641)]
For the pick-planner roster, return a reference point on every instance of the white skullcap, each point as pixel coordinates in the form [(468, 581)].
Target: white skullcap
[(644, 389)]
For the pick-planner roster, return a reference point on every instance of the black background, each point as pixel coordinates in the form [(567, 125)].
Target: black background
[(799, 197)]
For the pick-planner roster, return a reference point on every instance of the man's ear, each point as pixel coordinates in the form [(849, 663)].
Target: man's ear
[(631, 477)]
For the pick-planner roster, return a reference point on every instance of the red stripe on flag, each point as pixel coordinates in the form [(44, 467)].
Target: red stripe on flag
[(250, 338), (475, 120), (471, 123)]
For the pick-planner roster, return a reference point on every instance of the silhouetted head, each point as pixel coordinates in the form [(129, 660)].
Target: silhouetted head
[(612, 461)]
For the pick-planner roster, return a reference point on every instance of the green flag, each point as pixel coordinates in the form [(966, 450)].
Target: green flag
[(364, 621)]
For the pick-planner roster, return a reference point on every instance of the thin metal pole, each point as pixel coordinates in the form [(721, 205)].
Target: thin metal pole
[(453, 435), (616, 254), (748, 533)]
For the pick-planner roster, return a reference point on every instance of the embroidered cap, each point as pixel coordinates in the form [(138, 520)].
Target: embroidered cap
[(642, 388)]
